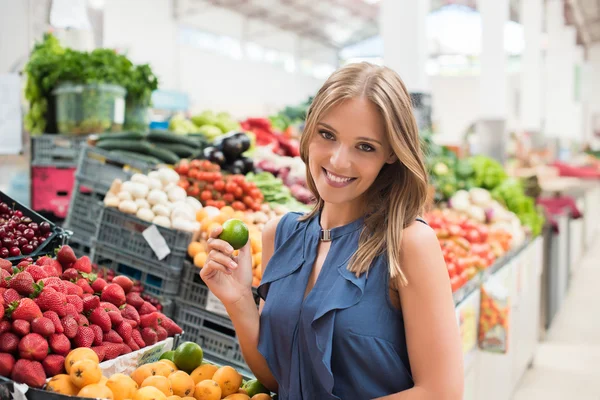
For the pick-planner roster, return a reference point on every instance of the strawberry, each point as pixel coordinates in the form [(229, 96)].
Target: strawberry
[(112, 337), (101, 318), (53, 316), (43, 260), (149, 320), (36, 272), (71, 288), (33, 347), (82, 320), (22, 283), (149, 335), (70, 274), (83, 264), (132, 345), (51, 300), (10, 296), (59, 344), (129, 312), (100, 352), (54, 364), (25, 309), (53, 269), (70, 326), (4, 275), (66, 256), (136, 335), (131, 322), (85, 285), (91, 302), (22, 264), (113, 350), (55, 283), (9, 342), (98, 335), (71, 310), (125, 349), (115, 317), (161, 333), (7, 362), (146, 308), (6, 265), (5, 326), (76, 301), (30, 373), (124, 330), (21, 327), (98, 285), (169, 325), (85, 337), (124, 282), (135, 299), (114, 294), (2, 309), (44, 326), (108, 306)]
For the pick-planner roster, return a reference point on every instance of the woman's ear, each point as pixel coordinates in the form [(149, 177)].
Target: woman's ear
[(391, 159)]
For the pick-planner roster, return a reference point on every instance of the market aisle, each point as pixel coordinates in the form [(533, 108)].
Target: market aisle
[(566, 364)]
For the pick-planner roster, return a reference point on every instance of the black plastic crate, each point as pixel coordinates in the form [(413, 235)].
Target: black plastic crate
[(157, 279), (56, 150), (84, 212), (124, 232)]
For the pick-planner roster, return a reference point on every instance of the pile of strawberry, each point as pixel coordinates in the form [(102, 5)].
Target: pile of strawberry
[(108, 275), (52, 306)]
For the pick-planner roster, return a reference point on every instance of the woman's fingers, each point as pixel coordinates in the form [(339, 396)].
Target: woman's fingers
[(222, 259), (211, 268), (216, 231), (219, 245)]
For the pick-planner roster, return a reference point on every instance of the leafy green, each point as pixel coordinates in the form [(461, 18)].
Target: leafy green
[(488, 173), (512, 194)]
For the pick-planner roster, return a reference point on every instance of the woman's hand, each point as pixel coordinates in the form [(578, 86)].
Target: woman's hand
[(228, 277)]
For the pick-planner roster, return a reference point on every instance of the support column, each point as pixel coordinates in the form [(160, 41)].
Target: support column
[(493, 79), (530, 111)]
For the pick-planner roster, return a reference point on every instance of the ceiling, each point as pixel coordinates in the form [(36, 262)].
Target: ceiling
[(335, 23), (585, 16)]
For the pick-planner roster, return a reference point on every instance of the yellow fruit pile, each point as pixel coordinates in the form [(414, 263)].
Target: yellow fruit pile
[(197, 250)]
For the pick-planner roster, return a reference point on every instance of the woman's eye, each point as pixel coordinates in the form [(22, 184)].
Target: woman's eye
[(366, 147), (326, 135)]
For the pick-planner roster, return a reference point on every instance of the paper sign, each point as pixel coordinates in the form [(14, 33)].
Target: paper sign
[(467, 314), (156, 241), (214, 305), (151, 355)]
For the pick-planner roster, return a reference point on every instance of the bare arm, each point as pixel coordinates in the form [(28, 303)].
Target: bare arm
[(432, 333), (246, 318)]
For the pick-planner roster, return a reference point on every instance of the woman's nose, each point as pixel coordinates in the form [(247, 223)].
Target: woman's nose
[(340, 159)]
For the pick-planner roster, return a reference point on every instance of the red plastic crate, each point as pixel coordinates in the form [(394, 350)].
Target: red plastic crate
[(51, 189)]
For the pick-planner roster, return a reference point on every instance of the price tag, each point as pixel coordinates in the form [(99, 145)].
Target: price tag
[(151, 355), (156, 241), (214, 305)]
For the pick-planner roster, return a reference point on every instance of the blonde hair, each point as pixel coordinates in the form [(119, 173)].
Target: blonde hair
[(398, 195)]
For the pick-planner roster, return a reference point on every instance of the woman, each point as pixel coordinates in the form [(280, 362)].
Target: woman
[(356, 300)]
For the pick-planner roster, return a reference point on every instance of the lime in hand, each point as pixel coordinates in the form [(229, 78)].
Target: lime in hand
[(235, 232)]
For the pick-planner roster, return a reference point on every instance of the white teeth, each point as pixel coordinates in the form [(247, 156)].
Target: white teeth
[(337, 179)]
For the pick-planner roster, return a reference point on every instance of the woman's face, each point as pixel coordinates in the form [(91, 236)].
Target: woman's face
[(348, 150)]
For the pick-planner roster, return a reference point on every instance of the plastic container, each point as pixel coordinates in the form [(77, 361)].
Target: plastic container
[(51, 189), (83, 109), (157, 280), (136, 117), (56, 150), (124, 232), (100, 168), (84, 212)]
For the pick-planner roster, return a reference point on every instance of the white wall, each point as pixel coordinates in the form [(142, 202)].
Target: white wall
[(591, 90), (14, 33)]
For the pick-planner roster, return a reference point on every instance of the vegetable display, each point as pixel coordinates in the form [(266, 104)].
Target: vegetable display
[(512, 194)]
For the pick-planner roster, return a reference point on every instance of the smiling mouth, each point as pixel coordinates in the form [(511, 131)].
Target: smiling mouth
[(337, 178)]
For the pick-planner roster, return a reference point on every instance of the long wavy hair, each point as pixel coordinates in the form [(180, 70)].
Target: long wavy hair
[(398, 195)]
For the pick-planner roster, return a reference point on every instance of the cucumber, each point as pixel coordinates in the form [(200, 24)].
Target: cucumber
[(180, 149), (122, 136), (165, 155), (167, 137), (138, 157), (135, 146)]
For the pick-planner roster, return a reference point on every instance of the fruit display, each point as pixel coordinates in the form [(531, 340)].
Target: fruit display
[(269, 137), (226, 151), (58, 304), (155, 198), (19, 234), (204, 181)]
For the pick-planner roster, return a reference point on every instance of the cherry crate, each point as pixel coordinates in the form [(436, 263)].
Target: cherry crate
[(51, 189)]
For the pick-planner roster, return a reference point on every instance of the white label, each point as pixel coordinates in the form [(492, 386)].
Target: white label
[(156, 241), (119, 110), (214, 305)]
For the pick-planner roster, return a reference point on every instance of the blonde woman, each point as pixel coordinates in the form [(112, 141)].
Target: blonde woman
[(356, 300)]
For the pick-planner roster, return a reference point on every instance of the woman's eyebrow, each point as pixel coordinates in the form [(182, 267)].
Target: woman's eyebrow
[(327, 126), (364, 138)]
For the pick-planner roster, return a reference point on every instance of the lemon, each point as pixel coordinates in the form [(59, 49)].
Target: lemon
[(235, 232)]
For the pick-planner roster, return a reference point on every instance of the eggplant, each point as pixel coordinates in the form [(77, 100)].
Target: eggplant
[(239, 163), (244, 140), (248, 164), (232, 148), (214, 155)]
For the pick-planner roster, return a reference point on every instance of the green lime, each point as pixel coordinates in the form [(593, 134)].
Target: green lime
[(188, 356), (168, 355), (254, 387), (235, 232)]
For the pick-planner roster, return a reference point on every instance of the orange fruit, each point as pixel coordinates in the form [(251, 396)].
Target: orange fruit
[(62, 384), (159, 382), (85, 372), (195, 248), (122, 386), (203, 372), (200, 259), (103, 380), (228, 379), (170, 363), (228, 210), (81, 353), (237, 396), (142, 372), (182, 384), (207, 390), (174, 397), (163, 369), (261, 396), (149, 393), (201, 215), (96, 391)]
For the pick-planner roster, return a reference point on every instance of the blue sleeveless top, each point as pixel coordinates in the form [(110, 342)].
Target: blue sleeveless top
[(345, 340)]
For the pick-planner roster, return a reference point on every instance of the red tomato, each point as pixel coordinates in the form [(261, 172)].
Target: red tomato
[(183, 183), (206, 165), (201, 175), (255, 193), (454, 230), (220, 204), (238, 192), (210, 203), (196, 164), (238, 205), (206, 195), (228, 198), (473, 236), (230, 187), (249, 201), (183, 167), (451, 269), (256, 207), (193, 191), (455, 283), (219, 185)]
